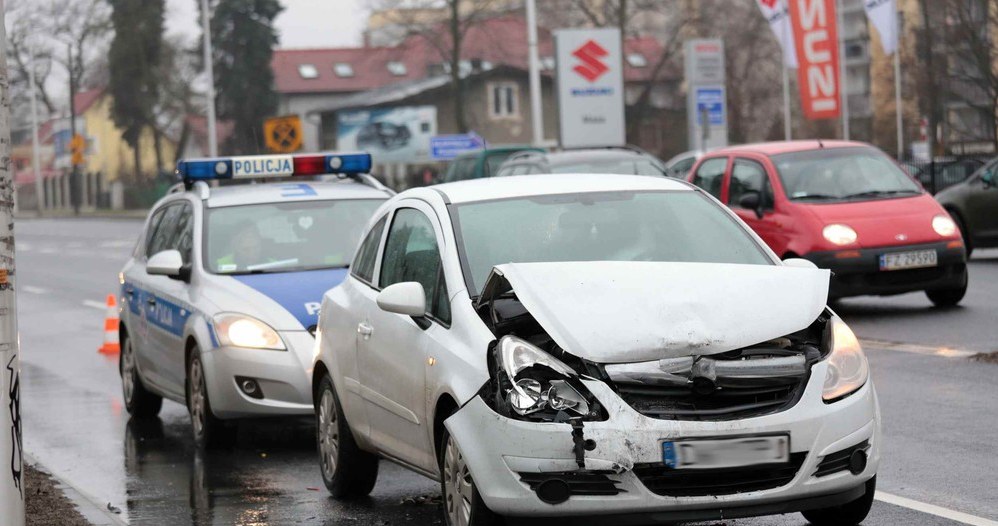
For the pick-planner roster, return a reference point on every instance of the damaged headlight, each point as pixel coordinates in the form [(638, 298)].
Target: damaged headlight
[(848, 369), (532, 382)]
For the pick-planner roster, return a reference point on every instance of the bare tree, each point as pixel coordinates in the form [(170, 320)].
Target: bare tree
[(22, 42), (971, 66)]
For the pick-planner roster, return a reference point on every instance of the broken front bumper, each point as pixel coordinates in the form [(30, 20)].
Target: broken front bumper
[(623, 472)]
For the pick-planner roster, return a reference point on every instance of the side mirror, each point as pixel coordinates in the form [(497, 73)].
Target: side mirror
[(799, 263), (406, 298), (166, 263), (988, 178), (751, 201)]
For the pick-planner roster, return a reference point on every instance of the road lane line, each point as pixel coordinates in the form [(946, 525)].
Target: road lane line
[(34, 290), (95, 304), (932, 509), (914, 348)]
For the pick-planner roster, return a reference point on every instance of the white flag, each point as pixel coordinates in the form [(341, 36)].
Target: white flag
[(778, 16), (884, 16)]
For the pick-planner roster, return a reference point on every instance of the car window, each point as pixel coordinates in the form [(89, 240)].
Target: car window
[(461, 169), (166, 230), (363, 267), (710, 174), (682, 167), (411, 254), (747, 176), (147, 236), (183, 240), (493, 161)]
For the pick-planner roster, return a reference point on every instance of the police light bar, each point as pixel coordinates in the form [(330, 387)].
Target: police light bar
[(258, 166)]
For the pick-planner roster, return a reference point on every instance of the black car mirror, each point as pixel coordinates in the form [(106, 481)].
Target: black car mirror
[(751, 200)]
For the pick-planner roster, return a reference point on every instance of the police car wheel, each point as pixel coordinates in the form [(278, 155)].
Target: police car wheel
[(139, 402), (347, 471), (209, 431)]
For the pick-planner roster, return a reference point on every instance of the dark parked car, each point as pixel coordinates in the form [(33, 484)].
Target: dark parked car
[(942, 173), (628, 161), (974, 206), (482, 164), (383, 136)]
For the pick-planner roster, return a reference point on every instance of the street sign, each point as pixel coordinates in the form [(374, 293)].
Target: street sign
[(590, 87), (78, 148), (283, 134), (446, 147), (710, 102)]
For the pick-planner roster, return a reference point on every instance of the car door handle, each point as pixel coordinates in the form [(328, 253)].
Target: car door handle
[(365, 330)]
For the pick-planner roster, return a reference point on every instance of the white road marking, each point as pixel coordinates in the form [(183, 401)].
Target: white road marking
[(23, 247), (932, 509), (48, 250), (118, 244), (34, 290), (914, 348), (95, 304)]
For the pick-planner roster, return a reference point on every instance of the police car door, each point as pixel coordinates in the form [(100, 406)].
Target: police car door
[(135, 293), (168, 304)]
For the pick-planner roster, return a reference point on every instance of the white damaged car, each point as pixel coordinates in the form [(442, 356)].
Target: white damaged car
[(621, 348)]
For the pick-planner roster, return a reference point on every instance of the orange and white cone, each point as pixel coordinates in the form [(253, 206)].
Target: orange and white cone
[(111, 321)]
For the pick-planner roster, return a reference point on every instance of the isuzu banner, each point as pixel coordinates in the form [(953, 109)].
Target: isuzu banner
[(778, 16), (817, 39)]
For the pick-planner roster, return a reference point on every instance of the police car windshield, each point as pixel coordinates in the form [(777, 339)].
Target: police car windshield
[(284, 237)]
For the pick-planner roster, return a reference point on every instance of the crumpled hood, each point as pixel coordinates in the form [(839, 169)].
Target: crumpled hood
[(621, 312)]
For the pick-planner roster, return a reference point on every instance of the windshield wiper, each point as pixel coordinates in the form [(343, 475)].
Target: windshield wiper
[(815, 196), (878, 193)]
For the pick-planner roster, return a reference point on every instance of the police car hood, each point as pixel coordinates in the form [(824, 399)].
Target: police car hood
[(287, 301), (620, 312)]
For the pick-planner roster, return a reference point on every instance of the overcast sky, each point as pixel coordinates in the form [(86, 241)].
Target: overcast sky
[(304, 23)]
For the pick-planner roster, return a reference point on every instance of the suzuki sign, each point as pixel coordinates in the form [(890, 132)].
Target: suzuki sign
[(590, 87), (816, 37)]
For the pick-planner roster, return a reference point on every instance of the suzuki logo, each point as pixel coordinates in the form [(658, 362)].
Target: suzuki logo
[(770, 3), (901, 237), (591, 67)]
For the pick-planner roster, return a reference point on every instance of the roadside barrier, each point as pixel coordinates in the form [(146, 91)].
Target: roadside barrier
[(111, 343)]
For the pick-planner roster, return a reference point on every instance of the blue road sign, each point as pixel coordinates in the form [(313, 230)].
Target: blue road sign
[(445, 147), (711, 100)]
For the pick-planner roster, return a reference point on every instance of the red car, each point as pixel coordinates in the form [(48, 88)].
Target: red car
[(846, 206)]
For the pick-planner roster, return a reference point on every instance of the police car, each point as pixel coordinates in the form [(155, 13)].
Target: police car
[(220, 298)]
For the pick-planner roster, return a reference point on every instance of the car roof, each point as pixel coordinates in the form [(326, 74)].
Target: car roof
[(552, 184), (576, 156), (247, 194), (498, 149), (780, 147)]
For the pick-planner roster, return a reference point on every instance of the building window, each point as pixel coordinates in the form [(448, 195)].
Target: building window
[(547, 63), (504, 100), (308, 71), (343, 70), (637, 60), (397, 68)]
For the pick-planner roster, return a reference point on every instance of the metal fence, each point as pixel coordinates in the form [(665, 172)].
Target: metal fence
[(942, 172)]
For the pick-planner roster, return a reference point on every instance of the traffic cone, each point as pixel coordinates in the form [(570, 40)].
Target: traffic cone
[(111, 343)]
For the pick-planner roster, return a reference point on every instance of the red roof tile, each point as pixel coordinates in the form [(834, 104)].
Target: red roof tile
[(83, 100)]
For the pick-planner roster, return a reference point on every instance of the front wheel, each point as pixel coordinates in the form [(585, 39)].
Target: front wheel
[(463, 506), (347, 471), (848, 514), (209, 431), (139, 402), (948, 297)]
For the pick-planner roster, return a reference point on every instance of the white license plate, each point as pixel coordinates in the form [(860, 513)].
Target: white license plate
[(903, 260), (726, 452)]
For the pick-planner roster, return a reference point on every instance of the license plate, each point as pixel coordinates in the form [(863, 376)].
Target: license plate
[(726, 452), (903, 260)]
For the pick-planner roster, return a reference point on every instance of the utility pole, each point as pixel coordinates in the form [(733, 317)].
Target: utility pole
[(209, 71), (36, 163), (74, 175), (11, 458), (536, 111), (843, 91)]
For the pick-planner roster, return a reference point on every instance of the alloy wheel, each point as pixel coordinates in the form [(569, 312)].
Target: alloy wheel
[(197, 396), (458, 486), (329, 434), (128, 371)]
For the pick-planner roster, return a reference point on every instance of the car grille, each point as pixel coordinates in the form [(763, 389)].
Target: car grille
[(725, 403), (838, 461), (663, 480), (579, 482)]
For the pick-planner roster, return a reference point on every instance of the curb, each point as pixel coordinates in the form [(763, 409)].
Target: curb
[(87, 505)]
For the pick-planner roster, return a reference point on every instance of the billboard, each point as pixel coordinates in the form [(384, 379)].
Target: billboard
[(817, 38), (706, 95), (396, 135), (590, 87)]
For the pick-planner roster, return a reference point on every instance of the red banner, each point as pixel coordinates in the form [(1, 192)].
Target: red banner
[(817, 39)]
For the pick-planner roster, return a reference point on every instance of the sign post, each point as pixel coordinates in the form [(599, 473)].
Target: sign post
[(706, 95), (590, 88)]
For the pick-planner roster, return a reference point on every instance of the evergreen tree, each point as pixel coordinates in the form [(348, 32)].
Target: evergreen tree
[(133, 62), (243, 39)]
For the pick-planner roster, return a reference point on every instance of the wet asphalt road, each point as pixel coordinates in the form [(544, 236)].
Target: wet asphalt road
[(939, 412)]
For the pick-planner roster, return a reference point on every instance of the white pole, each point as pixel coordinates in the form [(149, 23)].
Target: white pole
[(536, 111), (36, 164), (11, 459), (786, 75), (897, 85), (842, 72), (209, 71)]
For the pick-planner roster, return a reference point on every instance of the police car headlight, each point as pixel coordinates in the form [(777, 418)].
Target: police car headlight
[(848, 369), (238, 330)]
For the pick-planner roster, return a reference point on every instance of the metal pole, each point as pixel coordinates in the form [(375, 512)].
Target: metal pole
[(36, 164), (11, 458), (786, 75), (897, 85), (74, 171), (209, 71), (536, 111), (842, 71)]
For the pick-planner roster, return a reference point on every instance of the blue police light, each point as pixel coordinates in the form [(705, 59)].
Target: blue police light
[(260, 166)]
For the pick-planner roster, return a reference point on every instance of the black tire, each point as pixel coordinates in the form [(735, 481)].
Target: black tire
[(460, 506), (967, 245), (209, 431), (948, 297), (848, 514), (348, 471), (139, 402)]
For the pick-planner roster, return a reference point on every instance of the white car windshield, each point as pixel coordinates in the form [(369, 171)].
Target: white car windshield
[(612, 226), (837, 174), (284, 237)]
